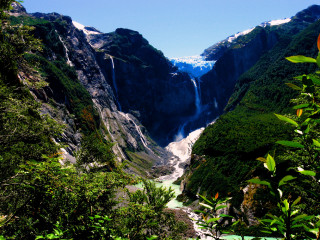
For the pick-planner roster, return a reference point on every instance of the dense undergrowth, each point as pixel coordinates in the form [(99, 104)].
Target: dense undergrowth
[(41, 198)]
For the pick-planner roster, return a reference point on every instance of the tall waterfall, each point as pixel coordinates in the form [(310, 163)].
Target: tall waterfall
[(115, 83), (195, 66), (197, 90)]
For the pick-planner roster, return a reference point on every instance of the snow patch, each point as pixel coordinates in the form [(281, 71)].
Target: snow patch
[(195, 66), (85, 29), (276, 22), (233, 37), (264, 24)]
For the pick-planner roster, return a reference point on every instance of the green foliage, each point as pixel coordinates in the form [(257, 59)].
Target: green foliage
[(145, 214), (41, 197), (212, 220), (229, 147), (290, 220), (97, 151)]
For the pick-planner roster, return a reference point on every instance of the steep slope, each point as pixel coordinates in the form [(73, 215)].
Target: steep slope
[(238, 53), (146, 84), (224, 156), (79, 93)]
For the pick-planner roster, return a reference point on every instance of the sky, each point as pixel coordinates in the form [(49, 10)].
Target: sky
[(176, 27)]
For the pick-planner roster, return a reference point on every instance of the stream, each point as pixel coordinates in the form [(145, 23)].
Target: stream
[(182, 154)]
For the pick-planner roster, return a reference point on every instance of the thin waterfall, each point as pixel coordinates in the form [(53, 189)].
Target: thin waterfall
[(66, 49), (115, 83), (138, 129), (197, 97)]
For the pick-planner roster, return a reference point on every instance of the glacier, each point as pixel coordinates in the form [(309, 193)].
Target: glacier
[(195, 66)]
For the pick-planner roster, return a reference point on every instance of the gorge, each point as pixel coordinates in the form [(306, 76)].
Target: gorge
[(199, 121)]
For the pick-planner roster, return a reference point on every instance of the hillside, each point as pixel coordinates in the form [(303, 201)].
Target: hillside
[(224, 156)]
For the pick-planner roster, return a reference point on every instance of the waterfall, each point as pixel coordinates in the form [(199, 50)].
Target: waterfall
[(138, 129), (66, 50), (197, 97), (115, 83)]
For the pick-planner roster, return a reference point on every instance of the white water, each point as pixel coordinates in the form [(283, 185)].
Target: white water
[(197, 97), (195, 66), (182, 153), (138, 129), (115, 83), (66, 50)]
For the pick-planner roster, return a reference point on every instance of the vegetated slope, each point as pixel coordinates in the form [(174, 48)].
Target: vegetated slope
[(229, 147), (79, 94), (237, 54)]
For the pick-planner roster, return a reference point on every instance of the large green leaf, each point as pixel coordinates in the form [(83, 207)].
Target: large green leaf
[(271, 164), (286, 179), (308, 173), (316, 143), (290, 144), (301, 59), (301, 106), (286, 119), (258, 181)]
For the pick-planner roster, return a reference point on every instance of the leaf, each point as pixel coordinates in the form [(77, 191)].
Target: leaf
[(225, 215), (261, 159), (301, 59), (293, 86), (308, 173), (220, 207), (258, 181), (318, 43), (286, 205), (216, 196), (316, 143), (315, 79), (206, 205), (213, 220), (296, 201), (299, 112), (290, 144), (301, 106), (285, 179), (271, 164), (283, 118)]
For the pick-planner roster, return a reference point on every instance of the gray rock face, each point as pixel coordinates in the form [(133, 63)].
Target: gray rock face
[(17, 9), (123, 129), (146, 83)]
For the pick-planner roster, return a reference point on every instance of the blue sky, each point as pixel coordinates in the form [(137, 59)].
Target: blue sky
[(176, 27)]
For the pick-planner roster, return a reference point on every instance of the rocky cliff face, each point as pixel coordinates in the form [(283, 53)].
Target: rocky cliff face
[(238, 53), (145, 82), (137, 94)]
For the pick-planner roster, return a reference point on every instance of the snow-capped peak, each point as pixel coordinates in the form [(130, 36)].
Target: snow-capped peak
[(86, 30), (275, 22), (233, 37), (264, 24)]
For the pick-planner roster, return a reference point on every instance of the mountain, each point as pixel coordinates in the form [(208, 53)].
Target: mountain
[(250, 73)]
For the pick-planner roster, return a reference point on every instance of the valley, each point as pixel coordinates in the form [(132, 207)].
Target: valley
[(85, 114)]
